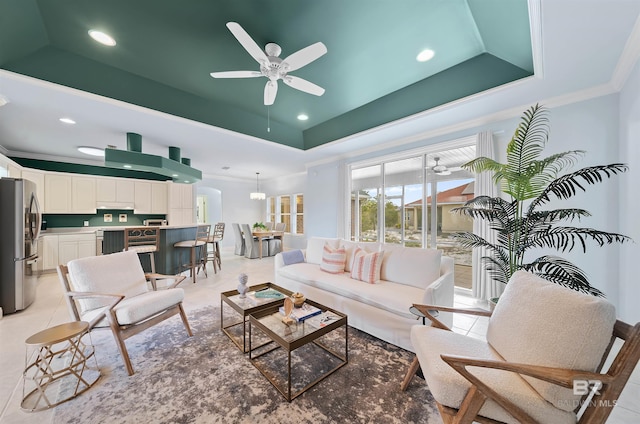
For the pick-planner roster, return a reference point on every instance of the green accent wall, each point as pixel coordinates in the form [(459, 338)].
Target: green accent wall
[(97, 220)]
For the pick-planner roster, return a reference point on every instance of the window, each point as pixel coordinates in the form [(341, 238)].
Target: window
[(407, 199), (271, 209), (285, 212), (299, 215)]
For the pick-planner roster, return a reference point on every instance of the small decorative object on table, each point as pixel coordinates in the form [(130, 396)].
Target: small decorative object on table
[(298, 299), (242, 287), (288, 307)]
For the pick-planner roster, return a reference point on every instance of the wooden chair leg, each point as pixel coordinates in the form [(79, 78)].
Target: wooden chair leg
[(184, 320), (121, 347), (470, 406), (413, 368)]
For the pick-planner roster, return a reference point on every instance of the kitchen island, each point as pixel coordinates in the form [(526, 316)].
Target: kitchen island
[(169, 260)]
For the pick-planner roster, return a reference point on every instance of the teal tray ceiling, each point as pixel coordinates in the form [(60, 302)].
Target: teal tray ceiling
[(166, 49)]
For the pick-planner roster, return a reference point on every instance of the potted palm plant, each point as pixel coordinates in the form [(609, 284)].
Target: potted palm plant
[(520, 223)]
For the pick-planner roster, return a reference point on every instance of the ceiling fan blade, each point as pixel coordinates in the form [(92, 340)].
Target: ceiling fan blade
[(270, 91), (247, 42), (304, 56), (303, 85), (236, 74)]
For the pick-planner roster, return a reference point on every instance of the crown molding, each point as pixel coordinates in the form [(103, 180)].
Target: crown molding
[(628, 58)]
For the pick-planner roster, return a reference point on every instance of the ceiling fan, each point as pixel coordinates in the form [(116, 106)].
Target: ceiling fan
[(273, 67), (440, 169)]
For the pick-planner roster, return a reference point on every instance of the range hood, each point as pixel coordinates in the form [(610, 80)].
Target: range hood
[(173, 167), (115, 205)]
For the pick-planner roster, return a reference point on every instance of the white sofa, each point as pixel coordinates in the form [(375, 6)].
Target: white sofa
[(408, 275)]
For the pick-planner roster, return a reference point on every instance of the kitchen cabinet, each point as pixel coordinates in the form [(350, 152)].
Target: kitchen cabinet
[(49, 253), (38, 178), (181, 205), (151, 197), (57, 188), (75, 246), (83, 195), (115, 190)]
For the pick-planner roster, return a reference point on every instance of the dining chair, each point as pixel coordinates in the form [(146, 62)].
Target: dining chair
[(239, 250), (280, 226), (268, 225), (252, 244)]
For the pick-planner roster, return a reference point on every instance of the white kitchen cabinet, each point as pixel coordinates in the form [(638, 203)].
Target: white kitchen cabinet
[(49, 259), (38, 178), (159, 198), (142, 197), (83, 194), (115, 190), (57, 188), (13, 171), (75, 246), (181, 205)]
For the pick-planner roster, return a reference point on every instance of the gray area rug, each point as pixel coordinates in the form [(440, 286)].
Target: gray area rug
[(206, 379)]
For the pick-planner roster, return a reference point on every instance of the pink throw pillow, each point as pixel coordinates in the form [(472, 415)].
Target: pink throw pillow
[(333, 259), (366, 266)]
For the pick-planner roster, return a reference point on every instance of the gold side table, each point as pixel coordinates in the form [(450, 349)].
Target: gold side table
[(57, 366)]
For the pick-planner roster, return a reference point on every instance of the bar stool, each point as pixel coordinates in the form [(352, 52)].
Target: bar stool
[(214, 240), (201, 238), (143, 240)]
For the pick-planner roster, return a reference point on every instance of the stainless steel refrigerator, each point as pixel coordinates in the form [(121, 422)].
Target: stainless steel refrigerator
[(20, 221)]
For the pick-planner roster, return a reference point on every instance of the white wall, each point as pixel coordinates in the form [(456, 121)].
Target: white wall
[(629, 308), (236, 205)]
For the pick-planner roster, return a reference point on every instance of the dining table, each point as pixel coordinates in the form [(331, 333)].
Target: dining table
[(265, 234)]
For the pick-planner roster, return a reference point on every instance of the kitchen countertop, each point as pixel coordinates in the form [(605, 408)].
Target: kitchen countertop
[(90, 230)]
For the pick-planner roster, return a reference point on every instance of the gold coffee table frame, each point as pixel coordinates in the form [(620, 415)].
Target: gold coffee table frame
[(60, 355), (269, 321), (246, 307)]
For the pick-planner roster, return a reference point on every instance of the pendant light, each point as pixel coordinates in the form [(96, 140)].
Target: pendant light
[(257, 195)]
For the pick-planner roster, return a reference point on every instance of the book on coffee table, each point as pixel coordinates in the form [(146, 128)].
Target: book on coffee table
[(271, 293), (302, 313)]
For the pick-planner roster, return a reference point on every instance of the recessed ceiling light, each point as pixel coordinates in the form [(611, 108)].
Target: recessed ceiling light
[(102, 38), (303, 117), (126, 166), (67, 121), (226, 168), (93, 151), (425, 55), (174, 175)]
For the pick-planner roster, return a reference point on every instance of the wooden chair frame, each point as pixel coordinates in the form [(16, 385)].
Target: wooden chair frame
[(599, 403), (121, 332)]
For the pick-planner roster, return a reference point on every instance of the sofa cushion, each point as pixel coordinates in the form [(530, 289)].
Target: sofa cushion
[(350, 248), (413, 266), (366, 266), (315, 246), (333, 259), (395, 298), (524, 328), (449, 388)]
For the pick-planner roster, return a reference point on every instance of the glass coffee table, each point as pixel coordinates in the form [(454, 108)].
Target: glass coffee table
[(315, 342), (246, 306)]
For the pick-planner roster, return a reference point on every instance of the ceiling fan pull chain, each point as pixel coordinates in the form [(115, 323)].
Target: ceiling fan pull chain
[(268, 120)]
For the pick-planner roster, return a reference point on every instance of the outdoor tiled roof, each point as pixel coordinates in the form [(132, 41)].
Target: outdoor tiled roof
[(459, 194)]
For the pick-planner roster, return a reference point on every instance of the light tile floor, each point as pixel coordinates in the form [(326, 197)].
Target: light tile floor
[(49, 309)]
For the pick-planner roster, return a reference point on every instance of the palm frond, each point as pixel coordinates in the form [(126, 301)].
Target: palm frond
[(563, 272), (564, 239)]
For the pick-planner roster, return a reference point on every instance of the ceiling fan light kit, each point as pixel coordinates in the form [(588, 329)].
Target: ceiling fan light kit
[(273, 67)]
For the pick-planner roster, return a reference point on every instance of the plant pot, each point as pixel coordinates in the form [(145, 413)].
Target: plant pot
[(492, 303)]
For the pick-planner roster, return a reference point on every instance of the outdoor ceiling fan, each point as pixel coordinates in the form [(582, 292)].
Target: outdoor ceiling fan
[(273, 67), (442, 169)]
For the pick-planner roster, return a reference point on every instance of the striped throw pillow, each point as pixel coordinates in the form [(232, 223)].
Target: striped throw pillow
[(333, 259), (366, 266)]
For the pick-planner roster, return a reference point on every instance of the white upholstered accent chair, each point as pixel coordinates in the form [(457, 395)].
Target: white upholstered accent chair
[(544, 343), (111, 291)]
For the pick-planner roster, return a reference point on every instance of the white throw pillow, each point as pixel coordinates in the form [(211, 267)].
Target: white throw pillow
[(366, 266), (333, 259), (315, 245)]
